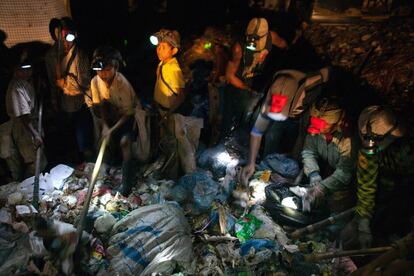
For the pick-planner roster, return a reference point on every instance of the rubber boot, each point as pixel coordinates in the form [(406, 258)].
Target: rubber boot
[(128, 177)]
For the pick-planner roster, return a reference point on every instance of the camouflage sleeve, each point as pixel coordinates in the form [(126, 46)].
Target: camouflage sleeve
[(344, 171), (367, 173), (310, 155)]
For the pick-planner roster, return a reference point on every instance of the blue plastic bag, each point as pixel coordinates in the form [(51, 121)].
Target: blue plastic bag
[(280, 163)]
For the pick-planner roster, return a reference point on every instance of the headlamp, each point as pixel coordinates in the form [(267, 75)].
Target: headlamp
[(25, 66), (164, 35), (154, 40), (251, 43), (370, 146), (207, 45), (98, 65), (70, 37)]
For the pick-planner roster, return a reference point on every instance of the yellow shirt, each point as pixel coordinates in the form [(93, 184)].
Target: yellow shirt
[(173, 75)]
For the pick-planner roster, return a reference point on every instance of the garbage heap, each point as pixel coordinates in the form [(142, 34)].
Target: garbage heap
[(206, 223), (390, 67)]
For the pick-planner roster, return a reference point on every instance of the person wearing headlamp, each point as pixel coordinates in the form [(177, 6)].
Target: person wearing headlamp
[(70, 71), (113, 102), (284, 115), (246, 71), (328, 157), (21, 107), (385, 176), (169, 86)]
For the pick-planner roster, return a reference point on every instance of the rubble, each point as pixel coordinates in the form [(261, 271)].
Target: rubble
[(201, 232), (389, 69)]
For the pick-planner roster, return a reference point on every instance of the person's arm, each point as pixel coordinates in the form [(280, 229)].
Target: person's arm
[(344, 171), (177, 83), (176, 100), (260, 127), (278, 41), (27, 122), (310, 155), (233, 66)]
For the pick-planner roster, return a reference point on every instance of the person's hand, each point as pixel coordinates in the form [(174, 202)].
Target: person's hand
[(364, 233), (37, 140), (60, 83), (106, 132), (312, 197), (245, 174), (314, 178)]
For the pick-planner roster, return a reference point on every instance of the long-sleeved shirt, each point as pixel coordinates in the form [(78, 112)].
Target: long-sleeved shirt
[(338, 154), (383, 172)]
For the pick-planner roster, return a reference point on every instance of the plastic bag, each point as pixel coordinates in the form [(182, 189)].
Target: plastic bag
[(199, 188), (151, 239), (246, 227), (59, 174), (216, 160), (257, 244), (143, 143), (281, 164)]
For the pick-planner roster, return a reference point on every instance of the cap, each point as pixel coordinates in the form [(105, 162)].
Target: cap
[(256, 34), (379, 120), (164, 35)]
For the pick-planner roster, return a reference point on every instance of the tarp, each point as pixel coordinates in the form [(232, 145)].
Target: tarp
[(28, 20)]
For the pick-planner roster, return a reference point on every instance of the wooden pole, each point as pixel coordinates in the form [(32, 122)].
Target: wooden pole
[(95, 173), (313, 227), (359, 252)]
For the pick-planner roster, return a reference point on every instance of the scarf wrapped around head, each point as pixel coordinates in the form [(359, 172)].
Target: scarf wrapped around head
[(323, 113)]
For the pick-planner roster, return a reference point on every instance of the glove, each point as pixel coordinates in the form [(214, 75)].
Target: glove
[(312, 197), (364, 233), (314, 178)]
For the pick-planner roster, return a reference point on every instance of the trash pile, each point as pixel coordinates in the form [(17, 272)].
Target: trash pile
[(203, 224), (389, 69)]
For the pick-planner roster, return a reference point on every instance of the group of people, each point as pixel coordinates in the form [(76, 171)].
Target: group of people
[(370, 165)]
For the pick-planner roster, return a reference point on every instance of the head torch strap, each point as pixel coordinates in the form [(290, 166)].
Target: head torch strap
[(71, 59)]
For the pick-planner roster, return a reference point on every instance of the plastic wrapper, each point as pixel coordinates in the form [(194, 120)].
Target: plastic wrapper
[(246, 227)]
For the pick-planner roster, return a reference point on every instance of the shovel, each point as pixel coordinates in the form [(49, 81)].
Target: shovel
[(95, 173)]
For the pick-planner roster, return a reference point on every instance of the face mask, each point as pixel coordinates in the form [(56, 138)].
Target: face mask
[(372, 144), (316, 125)]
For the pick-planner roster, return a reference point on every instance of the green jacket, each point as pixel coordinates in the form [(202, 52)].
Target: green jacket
[(338, 154), (383, 171)]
